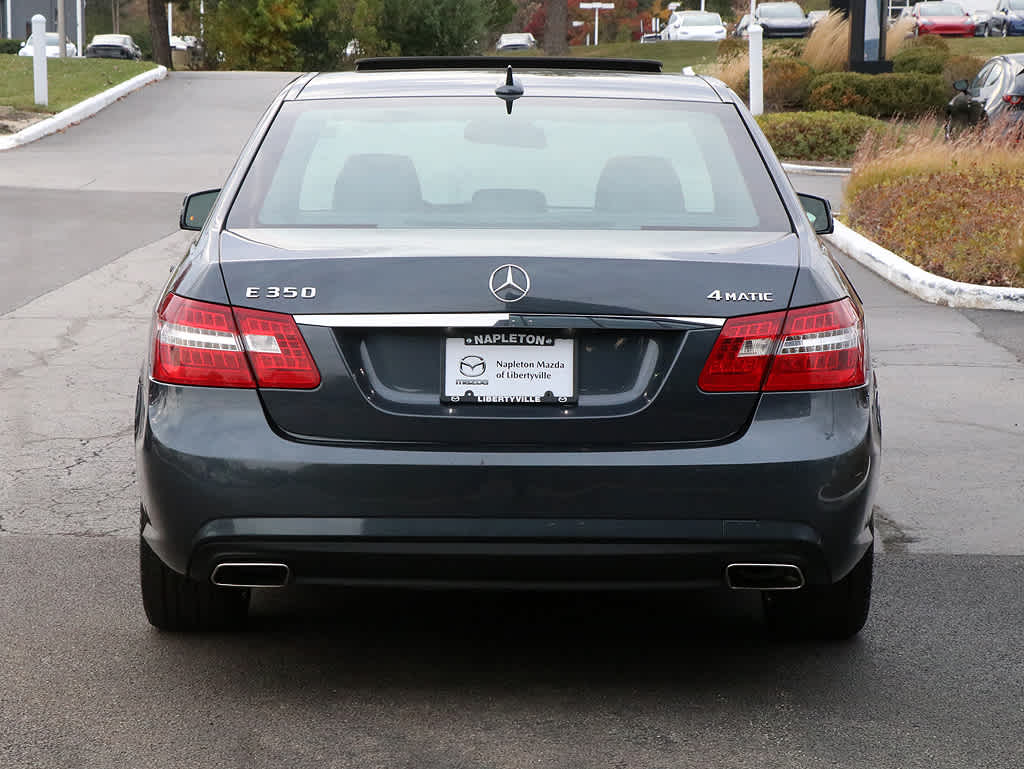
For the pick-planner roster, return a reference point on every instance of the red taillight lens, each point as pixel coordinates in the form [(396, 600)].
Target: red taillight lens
[(277, 351), (812, 348), (742, 353), (1013, 99), (198, 343), (822, 348)]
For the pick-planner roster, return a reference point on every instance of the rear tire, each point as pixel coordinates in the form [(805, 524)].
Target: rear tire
[(836, 612), (175, 603)]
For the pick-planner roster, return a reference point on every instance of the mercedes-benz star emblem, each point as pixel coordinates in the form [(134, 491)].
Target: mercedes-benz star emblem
[(510, 283), (472, 366)]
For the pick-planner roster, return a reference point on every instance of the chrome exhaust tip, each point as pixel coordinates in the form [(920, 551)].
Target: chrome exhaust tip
[(764, 576), (250, 575)]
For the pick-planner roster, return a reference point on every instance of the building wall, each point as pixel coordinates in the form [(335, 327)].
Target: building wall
[(22, 12)]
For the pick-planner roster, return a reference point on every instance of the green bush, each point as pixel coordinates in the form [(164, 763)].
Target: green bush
[(817, 135), (10, 46), (907, 95), (962, 68), (787, 84), (919, 58)]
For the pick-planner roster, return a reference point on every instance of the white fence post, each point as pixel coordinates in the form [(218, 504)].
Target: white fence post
[(756, 70), (79, 27), (42, 92)]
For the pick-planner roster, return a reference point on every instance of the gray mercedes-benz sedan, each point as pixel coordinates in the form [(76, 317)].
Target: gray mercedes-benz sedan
[(508, 323)]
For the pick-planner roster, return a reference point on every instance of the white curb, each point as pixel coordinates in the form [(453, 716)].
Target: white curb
[(82, 110), (922, 284), (797, 168)]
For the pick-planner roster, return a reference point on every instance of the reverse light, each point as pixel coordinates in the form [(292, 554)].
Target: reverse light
[(277, 351), (811, 348), (206, 344), (741, 354)]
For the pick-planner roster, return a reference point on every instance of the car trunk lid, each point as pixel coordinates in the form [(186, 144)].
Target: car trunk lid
[(387, 313)]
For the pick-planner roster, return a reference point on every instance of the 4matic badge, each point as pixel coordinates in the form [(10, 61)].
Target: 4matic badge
[(741, 296)]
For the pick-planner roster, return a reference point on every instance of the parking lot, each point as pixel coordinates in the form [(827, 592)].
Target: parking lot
[(459, 680)]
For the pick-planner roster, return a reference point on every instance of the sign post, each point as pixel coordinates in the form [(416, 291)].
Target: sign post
[(598, 7), (756, 64), (41, 88)]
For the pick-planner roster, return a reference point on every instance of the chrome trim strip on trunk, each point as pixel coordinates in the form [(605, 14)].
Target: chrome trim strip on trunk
[(477, 320)]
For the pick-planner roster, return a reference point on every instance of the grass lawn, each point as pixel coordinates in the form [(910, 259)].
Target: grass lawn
[(985, 47), (70, 80), (673, 54)]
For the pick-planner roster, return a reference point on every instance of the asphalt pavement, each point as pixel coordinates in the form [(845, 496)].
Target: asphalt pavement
[(81, 198), (362, 679)]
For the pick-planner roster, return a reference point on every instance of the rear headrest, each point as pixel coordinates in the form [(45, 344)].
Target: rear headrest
[(377, 182), (639, 184)]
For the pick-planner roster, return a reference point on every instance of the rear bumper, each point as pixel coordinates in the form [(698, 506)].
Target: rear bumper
[(947, 31), (218, 484), (508, 553)]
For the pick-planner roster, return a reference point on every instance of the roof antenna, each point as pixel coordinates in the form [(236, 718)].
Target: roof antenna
[(510, 91)]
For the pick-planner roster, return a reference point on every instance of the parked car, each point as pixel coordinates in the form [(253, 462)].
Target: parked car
[(52, 47), (694, 25), (1008, 18), (996, 94), (350, 379), (982, 22), (651, 37), (113, 47), (516, 41), (944, 18), (742, 29), (782, 20), (815, 16), (183, 42)]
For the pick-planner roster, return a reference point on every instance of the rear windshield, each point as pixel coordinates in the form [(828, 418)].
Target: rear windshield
[(553, 163), (782, 11), (702, 20), (941, 9)]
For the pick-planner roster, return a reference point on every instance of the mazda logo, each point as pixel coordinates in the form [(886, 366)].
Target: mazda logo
[(472, 365), (510, 283)]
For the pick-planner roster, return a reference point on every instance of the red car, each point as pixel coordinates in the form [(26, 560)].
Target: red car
[(942, 18)]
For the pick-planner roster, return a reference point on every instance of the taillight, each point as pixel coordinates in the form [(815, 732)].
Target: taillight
[(1013, 99), (742, 353), (811, 348), (822, 348), (198, 343), (277, 351)]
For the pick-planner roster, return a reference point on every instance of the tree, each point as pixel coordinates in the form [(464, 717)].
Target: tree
[(444, 27), (556, 27), (158, 31), (259, 34)]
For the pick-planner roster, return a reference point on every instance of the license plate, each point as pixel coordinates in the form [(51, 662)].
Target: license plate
[(509, 367)]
